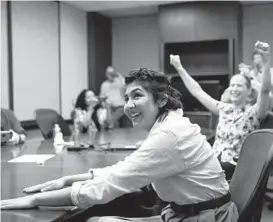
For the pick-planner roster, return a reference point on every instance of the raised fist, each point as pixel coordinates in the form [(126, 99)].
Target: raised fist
[(175, 61), (263, 49)]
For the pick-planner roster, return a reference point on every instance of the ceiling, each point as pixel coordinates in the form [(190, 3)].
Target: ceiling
[(115, 9), (125, 8)]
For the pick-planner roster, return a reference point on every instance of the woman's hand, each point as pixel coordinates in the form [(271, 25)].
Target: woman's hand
[(264, 49), (78, 116), (18, 203), (15, 139), (175, 61), (47, 186), (83, 118)]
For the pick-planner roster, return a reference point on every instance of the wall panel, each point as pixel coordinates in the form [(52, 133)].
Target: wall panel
[(35, 57), (73, 49)]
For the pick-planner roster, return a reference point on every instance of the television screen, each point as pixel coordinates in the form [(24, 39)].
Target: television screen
[(190, 103), (199, 58)]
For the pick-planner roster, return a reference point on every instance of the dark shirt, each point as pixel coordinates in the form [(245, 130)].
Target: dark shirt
[(9, 121)]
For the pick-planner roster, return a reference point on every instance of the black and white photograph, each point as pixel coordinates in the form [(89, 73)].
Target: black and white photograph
[(139, 111)]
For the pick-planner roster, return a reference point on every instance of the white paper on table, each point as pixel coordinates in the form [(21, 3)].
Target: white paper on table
[(34, 158)]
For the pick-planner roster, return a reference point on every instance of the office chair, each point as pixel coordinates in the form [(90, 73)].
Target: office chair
[(46, 118), (267, 123), (248, 184), (125, 122)]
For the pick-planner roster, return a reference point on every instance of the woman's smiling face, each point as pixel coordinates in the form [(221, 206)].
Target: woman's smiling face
[(239, 91), (140, 106)]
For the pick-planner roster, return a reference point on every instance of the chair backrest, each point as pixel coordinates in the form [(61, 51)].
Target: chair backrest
[(125, 122), (267, 122), (46, 118), (249, 180), (202, 118)]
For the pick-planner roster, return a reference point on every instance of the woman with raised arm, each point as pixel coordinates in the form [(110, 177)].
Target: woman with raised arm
[(238, 118), (255, 74), (175, 158)]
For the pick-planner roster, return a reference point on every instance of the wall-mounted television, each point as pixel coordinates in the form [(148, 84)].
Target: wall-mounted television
[(214, 86), (199, 58)]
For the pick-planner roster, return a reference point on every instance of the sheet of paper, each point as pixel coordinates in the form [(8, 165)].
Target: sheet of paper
[(35, 158)]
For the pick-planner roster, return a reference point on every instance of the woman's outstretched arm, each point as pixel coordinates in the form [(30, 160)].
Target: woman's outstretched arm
[(193, 87), (263, 96), (51, 198), (58, 183)]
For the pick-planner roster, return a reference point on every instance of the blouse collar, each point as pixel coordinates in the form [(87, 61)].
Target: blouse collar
[(159, 120)]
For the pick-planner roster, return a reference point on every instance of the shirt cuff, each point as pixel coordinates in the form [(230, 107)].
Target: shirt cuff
[(74, 195)]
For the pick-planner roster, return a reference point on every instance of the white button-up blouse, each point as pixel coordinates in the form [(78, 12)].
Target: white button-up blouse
[(175, 158)]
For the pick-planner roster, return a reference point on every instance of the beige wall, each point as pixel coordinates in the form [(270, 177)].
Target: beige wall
[(4, 58), (35, 57), (257, 25), (73, 55), (40, 60), (135, 43), (136, 40)]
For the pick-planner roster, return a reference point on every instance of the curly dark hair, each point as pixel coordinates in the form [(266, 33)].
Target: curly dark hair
[(80, 102), (159, 86)]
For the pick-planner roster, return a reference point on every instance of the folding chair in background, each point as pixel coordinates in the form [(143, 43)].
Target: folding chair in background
[(46, 118)]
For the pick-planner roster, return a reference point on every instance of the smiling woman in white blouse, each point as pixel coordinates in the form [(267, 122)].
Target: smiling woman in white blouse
[(175, 158)]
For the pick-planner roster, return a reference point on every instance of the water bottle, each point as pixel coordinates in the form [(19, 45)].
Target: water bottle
[(58, 136), (76, 133)]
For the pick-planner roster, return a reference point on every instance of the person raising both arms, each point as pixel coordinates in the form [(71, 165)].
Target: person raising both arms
[(237, 118), (255, 73)]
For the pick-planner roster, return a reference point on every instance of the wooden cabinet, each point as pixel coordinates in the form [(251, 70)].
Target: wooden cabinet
[(215, 21), (198, 21), (177, 23)]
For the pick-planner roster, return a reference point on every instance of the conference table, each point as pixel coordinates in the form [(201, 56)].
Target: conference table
[(15, 176)]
